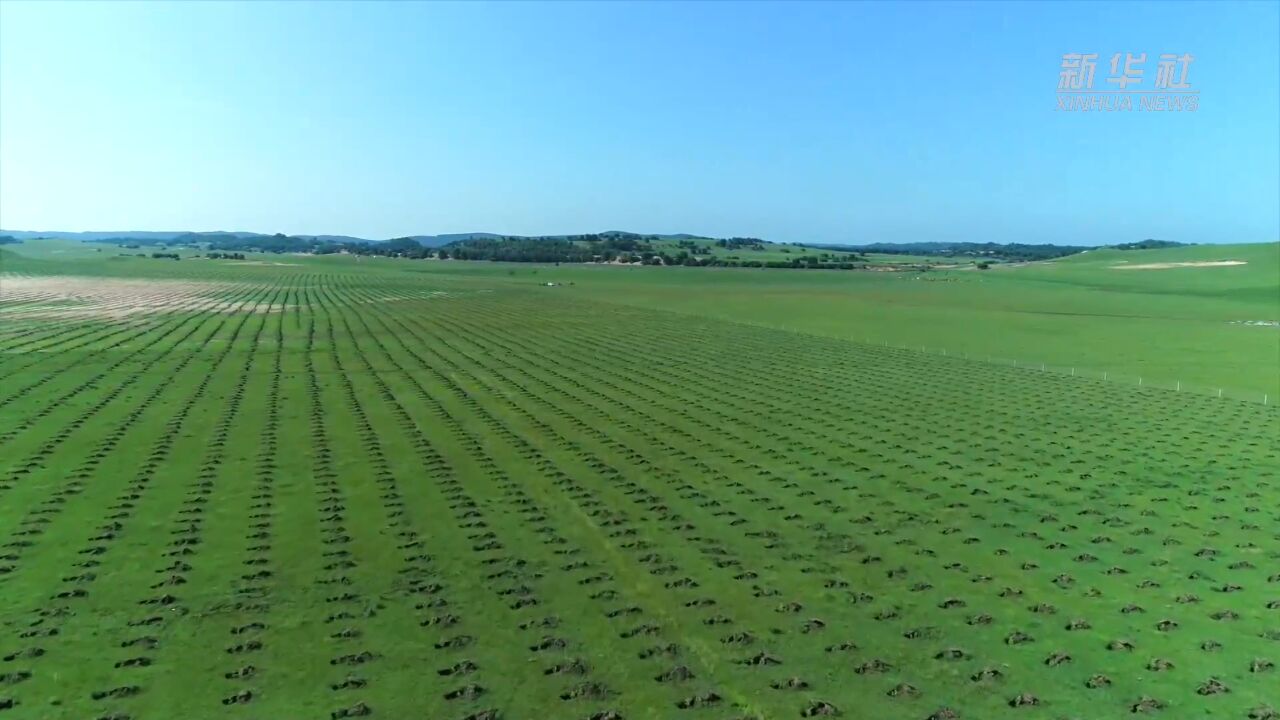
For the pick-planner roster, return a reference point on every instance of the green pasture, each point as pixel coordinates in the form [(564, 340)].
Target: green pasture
[(337, 487), (1187, 325), (1161, 326), (330, 487)]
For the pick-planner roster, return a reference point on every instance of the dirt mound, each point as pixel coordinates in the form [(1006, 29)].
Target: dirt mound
[(1167, 265)]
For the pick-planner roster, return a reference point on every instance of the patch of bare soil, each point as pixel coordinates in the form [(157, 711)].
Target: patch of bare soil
[(71, 297), (1167, 265)]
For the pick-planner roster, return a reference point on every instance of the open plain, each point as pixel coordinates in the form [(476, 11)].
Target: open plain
[(329, 488)]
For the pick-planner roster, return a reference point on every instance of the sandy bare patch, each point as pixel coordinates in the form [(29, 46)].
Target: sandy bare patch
[(70, 297), (1167, 265)]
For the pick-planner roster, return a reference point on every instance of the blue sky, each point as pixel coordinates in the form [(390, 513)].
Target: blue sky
[(836, 122)]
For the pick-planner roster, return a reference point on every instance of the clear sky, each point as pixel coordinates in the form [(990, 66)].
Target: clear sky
[(836, 122)]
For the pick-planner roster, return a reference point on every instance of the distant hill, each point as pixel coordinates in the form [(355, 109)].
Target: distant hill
[(1150, 245), (151, 235), (915, 248), (434, 241), (189, 236), (335, 238), (91, 236), (1007, 252), (442, 240), (995, 250), (483, 245)]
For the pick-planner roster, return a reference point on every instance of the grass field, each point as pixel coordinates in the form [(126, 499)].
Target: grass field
[(1164, 326), (327, 488)]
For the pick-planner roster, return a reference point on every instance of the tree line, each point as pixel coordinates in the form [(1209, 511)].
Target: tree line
[(614, 247), (1003, 252), (1149, 244)]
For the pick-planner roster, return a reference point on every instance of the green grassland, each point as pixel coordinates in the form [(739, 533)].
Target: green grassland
[(329, 487), (1164, 326), (780, 252)]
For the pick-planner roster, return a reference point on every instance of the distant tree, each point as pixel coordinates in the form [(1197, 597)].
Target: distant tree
[(1149, 244)]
